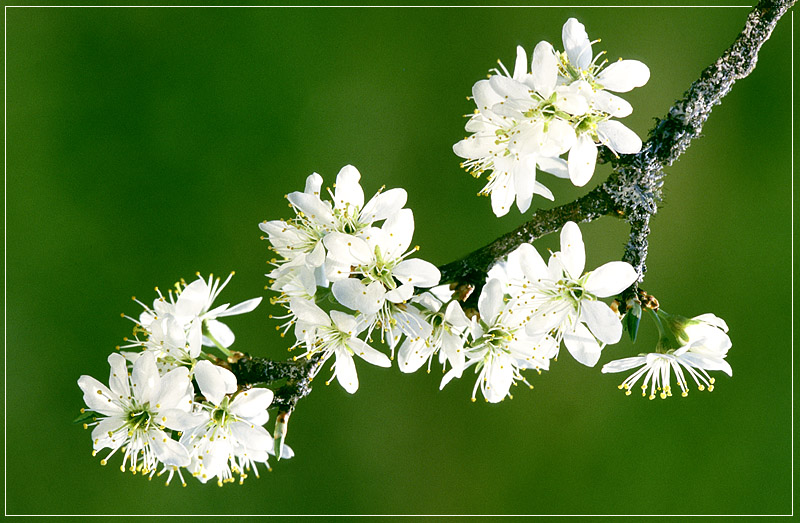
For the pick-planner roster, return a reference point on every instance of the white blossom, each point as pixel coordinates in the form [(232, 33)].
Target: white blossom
[(230, 437), (449, 328), (704, 346), (560, 299), (526, 120), (334, 334), (501, 346), (136, 412)]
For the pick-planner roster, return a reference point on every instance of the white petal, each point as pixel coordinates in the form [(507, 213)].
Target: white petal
[(309, 312), (383, 205), (313, 184), (573, 98), (623, 364), (353, 294), (107, 433), (98, 397), (145, 379), (454, 315), (313, 208), (348, 191), (346, 323), (544, 68), (167, 450), (525, 182), (485, 97), (347, 249), (618, 137), (573, 253), (508, 87), (413, 354), (251, 403), (707, 362), (221, 332), (624, 75), (490, 302), (502, 194), (499, 377), (214, 381), (176, 390), (611, 104), (346, 371), (582, 345), (118, 378), (521, 64), (581, 160), (400, 294), (453, 347), (610, 279), (476, 146), (418, 272), (399, 229), (711, 319), (192, 300), (576, 43), (555, 166), (253, 437), (177, 419), (368, 354), (241, 308), (602, 321)]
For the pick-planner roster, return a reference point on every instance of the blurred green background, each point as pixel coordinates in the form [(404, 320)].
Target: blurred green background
[(146, 144)]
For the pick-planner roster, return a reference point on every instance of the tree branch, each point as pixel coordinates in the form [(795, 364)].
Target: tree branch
[(632, 192)]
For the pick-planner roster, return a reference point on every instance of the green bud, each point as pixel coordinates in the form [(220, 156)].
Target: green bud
[(632, 319)]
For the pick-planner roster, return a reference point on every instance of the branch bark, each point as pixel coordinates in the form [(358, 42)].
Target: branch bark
[(632, 192)]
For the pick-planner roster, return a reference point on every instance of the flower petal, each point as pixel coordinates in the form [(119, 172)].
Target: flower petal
[(610, 279), (353, 294), (413, 354), (167, 450), (623, 364), (602, 321), (98, 397), (618, 138), (582, 345), (418, 272), (347, 190), (346, 371), (313, 184), (145, 379), (313, 208), (251, 403), (581, 160), (214, 381), (576, 43), (573, 253), (611, 104), (490, 302), (544, 68), (624, 75), (383, 205), (367, 353)]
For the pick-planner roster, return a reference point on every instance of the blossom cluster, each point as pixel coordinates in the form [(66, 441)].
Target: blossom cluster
[(152, 412), (563, 104), (345, 273)]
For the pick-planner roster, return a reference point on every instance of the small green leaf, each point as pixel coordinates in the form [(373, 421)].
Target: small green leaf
[(86, 415), (631, 320)]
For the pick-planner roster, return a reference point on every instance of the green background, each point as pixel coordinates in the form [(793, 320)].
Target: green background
[(146, 144)]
